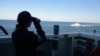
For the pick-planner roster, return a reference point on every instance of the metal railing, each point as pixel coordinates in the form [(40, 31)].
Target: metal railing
[(3, 29)]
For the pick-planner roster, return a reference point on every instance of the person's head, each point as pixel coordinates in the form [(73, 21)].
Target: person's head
[(24, 19)]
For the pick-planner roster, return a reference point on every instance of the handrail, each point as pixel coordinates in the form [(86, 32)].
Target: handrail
[(3, 29)]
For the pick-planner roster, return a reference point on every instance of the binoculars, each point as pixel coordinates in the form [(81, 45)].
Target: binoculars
[(34, 19)]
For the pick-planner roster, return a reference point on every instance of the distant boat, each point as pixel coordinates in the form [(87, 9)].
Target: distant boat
[(77, 24)]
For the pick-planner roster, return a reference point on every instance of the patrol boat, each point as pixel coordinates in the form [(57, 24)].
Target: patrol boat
[(77, 24)]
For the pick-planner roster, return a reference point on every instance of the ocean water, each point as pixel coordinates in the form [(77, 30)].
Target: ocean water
[(48, 27)]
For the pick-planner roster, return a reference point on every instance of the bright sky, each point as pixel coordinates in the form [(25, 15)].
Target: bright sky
[(53, 10)]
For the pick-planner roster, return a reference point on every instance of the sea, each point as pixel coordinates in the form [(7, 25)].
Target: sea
[(48, 27)]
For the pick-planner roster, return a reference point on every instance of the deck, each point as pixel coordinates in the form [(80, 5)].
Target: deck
[(64, 45)]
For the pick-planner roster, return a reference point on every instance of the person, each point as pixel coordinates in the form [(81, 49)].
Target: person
[(26, 42)]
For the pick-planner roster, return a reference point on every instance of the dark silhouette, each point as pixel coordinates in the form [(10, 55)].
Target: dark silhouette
[(94, 31), (26, 42), (3, 29)]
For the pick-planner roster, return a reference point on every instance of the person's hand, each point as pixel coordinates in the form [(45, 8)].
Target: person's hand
[(35, 20)]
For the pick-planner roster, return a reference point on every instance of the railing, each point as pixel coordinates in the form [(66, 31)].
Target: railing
[(86, 44), (3, 29)]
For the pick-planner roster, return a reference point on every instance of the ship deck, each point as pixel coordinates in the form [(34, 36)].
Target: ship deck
[(65, 44)]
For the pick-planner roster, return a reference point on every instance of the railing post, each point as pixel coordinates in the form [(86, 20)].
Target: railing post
[(3, 29), (94, 31), (56, 29), (55, 38)]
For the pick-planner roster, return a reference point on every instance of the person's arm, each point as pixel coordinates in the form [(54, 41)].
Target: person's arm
[(40, 32)]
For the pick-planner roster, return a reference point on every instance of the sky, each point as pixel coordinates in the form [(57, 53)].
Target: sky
[(53, 10)]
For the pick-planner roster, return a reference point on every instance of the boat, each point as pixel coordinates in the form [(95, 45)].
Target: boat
[(65, 44), (77, 24)]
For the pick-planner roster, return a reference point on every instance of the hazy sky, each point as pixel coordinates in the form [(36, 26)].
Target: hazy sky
[(53, 10)]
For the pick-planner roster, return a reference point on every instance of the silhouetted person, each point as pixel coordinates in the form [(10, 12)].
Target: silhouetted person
[(26, 42), (3, 29)]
